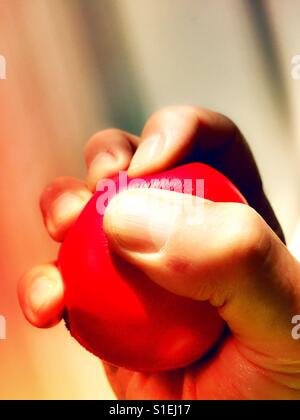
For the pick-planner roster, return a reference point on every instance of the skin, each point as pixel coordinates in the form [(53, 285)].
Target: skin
[(243, 267)]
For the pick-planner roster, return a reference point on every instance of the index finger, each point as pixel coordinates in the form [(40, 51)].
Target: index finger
[(177, 135)]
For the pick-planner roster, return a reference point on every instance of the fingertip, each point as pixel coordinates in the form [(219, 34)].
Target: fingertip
[(41, 296), (106, 165), (107, 153), (61, 203), (110, 139), (167, 137)]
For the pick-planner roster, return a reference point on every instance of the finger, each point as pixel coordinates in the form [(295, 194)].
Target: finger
[(61, 203), (41, 296), (223, 253), (107, 153), (167, 137), (129, 385), (181, 134)]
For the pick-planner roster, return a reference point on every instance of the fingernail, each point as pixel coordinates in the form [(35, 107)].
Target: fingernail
[(67, 205), (142, 220), (42, 291), (150, 149), (103, 163)]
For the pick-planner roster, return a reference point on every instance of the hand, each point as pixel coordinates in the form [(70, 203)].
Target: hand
[(243, 267)]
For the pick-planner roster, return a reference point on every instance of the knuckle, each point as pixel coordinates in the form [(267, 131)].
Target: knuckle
[(102, 136), (195, 109), (218, 119), (110, 140), (166, 111), (227, 122), (110, 132), (58, 184), (184, 117), (56, 188), (249, 238)]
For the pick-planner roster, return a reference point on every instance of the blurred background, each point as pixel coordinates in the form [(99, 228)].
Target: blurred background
[(78, 66)]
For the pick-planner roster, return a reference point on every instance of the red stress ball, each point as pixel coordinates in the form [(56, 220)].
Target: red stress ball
[(118, 313)]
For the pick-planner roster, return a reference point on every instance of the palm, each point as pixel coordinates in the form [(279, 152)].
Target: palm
[(225, 375)]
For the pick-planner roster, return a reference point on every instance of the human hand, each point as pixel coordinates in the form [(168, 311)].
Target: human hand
[(242, 267)]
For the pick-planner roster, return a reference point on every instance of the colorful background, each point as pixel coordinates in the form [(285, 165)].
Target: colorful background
[(77, 66)]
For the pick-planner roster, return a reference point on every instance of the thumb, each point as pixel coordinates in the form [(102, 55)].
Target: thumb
[(223, 253)]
